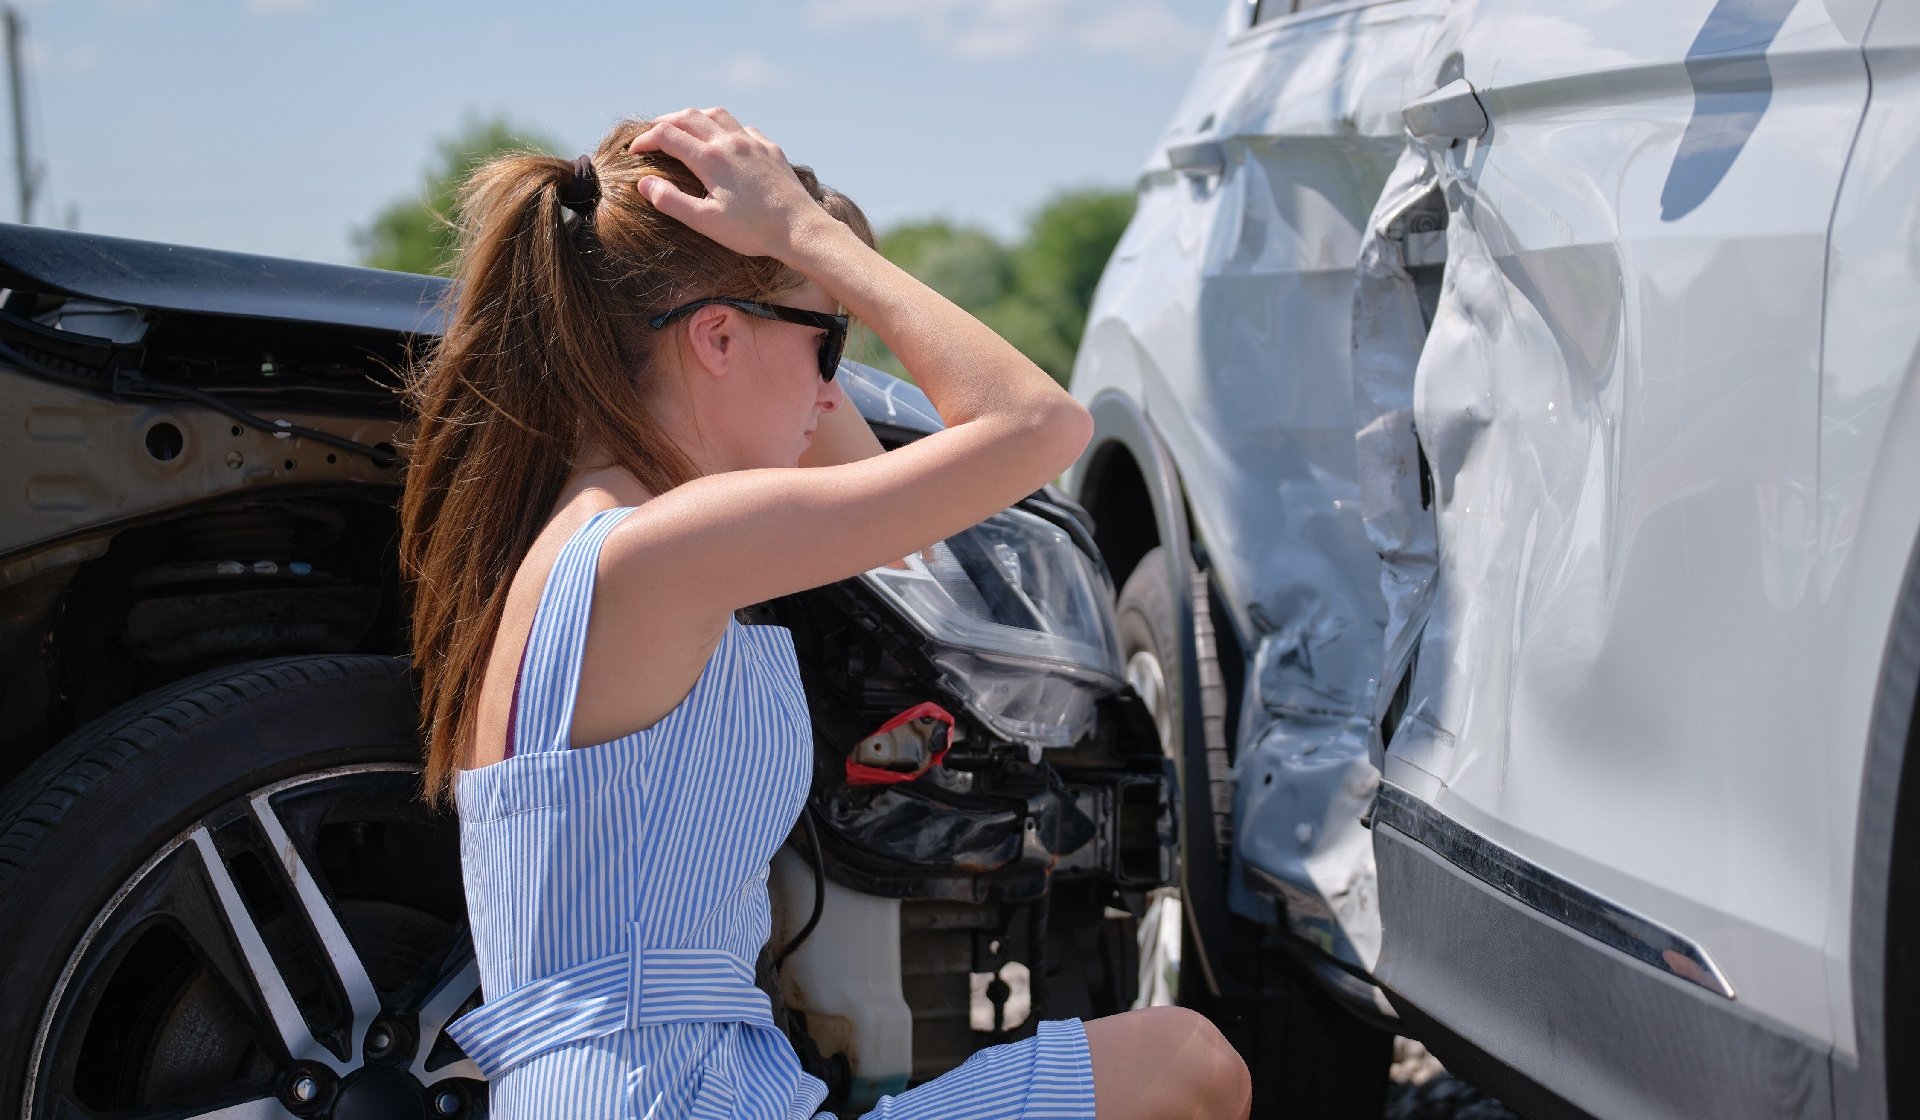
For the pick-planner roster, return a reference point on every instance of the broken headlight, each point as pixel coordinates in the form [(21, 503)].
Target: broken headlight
[(1017, 617)]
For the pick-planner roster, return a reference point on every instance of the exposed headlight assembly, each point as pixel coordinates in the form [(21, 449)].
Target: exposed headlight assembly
[(1017, 617)]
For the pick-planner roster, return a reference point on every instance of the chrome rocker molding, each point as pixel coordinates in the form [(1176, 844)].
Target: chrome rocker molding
[(1503, 990), (1543, 891)]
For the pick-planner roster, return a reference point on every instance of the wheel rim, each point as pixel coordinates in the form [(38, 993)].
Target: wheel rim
[(1149, 683), (295, 952)]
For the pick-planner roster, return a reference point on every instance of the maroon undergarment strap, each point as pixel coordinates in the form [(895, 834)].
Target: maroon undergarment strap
[(513, 713)]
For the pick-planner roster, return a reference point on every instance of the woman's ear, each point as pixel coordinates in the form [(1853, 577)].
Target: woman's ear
[(713, 338)]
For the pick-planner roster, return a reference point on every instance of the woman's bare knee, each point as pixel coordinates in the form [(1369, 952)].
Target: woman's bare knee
[(1160, 1063)]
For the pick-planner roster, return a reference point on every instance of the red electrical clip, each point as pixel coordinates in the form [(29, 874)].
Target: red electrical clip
[(917, 727)]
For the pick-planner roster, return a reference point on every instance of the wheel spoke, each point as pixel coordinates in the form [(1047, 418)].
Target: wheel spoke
[(347, 966), (456, 988), (272, 986)]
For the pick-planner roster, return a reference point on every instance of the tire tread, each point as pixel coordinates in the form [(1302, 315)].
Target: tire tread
[(36, 801)]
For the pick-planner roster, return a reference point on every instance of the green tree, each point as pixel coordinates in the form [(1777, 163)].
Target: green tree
[(964, 264), (1066, 248), (416, 234), (1036, 293)]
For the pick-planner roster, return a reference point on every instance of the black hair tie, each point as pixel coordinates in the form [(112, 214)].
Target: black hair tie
[(582, 191)]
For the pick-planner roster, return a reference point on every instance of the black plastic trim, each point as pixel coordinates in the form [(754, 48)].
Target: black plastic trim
[(179, 278)]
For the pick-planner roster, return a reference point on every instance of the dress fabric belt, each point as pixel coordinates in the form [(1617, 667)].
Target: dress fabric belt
[(598, 997)]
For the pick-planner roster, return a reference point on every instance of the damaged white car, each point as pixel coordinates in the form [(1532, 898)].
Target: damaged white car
[(1507, 420)]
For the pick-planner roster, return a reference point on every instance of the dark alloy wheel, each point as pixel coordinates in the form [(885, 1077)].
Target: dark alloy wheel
[(227, 899)]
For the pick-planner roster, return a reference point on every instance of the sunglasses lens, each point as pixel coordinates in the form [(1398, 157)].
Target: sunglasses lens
[(830, 346)]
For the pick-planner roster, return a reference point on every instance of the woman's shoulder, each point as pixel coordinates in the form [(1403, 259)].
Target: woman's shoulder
[(631, 581)]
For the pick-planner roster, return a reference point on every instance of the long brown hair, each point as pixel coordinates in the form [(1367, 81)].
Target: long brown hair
[(546, 351)]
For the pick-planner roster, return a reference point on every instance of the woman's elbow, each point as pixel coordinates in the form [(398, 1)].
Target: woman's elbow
[(1069, 428)]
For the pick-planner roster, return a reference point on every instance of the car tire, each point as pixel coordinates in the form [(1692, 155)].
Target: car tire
[(228, 898), (1144, 616), (1308, 1056)]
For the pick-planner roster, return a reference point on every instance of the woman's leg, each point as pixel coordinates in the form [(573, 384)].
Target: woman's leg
[(1166, 1063)]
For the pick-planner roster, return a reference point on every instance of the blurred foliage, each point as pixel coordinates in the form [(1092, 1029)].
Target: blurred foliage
[(416, 234), (1035, 293)]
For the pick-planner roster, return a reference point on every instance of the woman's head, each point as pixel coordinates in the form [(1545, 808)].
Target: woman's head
[(548, 364)]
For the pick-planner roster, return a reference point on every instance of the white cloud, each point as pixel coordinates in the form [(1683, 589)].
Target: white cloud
[(750, 70), (52, 60), (504, 31), (1144, 30)]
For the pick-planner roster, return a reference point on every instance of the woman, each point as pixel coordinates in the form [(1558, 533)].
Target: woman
[(631, 426)]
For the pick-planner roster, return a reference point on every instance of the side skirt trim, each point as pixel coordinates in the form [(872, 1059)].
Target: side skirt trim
[(1541, 890)]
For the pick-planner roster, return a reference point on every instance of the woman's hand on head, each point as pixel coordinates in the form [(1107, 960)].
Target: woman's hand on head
[(755, 204)]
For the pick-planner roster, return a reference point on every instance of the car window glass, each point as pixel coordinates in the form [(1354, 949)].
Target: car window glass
[(1264, 10)]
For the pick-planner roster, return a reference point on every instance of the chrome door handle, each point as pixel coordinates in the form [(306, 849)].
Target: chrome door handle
[(1204, 158), (1452, 112)]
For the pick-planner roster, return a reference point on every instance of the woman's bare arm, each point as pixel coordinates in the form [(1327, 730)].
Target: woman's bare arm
[(726, 540)]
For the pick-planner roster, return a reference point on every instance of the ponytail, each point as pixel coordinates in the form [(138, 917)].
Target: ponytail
[(545, 352)]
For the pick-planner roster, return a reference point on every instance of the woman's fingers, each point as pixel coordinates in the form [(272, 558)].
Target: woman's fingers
[(752, 199), (668, 138), (702, 124), (672, 201), (772, 148), (694, 122)]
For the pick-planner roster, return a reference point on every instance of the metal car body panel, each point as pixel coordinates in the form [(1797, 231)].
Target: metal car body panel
[(1619, 401), (1869, 525), (1224, 314), (1633, 495)]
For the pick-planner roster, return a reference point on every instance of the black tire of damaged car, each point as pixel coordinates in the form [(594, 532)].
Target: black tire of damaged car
[(230, 891)]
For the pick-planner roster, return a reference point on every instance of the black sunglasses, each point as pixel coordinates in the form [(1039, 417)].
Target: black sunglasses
[(830, 346)]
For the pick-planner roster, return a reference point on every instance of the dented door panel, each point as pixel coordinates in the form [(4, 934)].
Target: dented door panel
[(1618, 402), (1226, 312)]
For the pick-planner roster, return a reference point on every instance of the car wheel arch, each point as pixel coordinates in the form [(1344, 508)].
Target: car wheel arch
[(97, 591), (1886, 911)]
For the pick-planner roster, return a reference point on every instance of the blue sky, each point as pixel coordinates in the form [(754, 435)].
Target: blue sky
[(279, 126)]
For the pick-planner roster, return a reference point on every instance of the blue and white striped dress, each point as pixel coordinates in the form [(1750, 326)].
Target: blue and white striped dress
[(618, 899)]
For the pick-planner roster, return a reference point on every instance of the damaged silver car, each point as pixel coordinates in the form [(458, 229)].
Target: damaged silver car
[(220, 892), (1506, 432)]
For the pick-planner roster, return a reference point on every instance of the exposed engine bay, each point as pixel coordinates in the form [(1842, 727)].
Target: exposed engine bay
[(980, 854)]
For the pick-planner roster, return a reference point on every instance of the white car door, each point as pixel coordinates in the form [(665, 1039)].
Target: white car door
[(1611, 721)]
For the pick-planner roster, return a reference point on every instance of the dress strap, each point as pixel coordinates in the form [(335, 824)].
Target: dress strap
[(557, 644)]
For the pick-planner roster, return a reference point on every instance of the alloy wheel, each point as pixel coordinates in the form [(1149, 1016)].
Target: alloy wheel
[(296, 952)]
